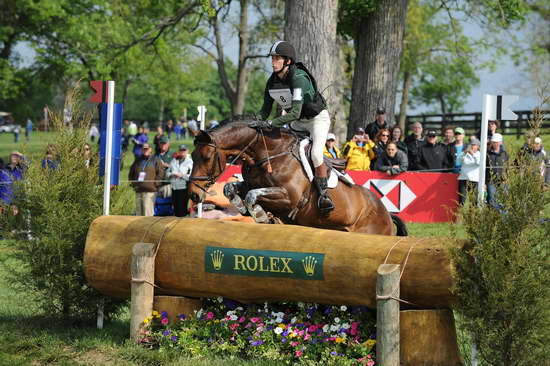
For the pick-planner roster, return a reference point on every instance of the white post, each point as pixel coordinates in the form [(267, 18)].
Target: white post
[(488, 105), (107, 175), (46, 118), (109, 146), (202, 120)]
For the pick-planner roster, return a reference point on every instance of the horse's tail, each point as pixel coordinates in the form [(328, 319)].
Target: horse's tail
[(400, 225)]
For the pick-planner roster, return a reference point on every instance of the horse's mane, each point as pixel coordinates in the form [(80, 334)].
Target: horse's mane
[(243, 118)]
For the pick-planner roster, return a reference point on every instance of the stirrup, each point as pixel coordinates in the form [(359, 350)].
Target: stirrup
[(325, 204)]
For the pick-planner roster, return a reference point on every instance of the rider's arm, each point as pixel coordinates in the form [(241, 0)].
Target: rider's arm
[(292, 115), (300, 84), (268, 104)]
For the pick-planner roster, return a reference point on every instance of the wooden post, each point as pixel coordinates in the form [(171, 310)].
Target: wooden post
[(387, 315), (143, 277)]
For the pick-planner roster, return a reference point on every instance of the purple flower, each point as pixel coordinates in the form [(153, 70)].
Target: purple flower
[(269, 327), (181, 317), (164, 314), (334, 353), (174, 338), (283, 340), (257, 343), (328, 310), (285, 333), (166, 333), (210, 340)]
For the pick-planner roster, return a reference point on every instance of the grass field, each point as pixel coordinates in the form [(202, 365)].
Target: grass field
[(28, 336)]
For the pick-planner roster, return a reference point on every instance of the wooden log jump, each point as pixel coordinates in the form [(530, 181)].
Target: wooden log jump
[(256, 263)]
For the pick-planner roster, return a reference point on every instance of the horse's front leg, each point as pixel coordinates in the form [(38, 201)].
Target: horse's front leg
[(235, 192), (273, 199)]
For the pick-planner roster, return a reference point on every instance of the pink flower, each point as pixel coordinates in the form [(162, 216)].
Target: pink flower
[(312, 328), (242, 319), (298, 353), (307, 336), (210, 315), (370, 363), (234, 326), (255, 320), (164, 321), (293, 344), (353, 331)]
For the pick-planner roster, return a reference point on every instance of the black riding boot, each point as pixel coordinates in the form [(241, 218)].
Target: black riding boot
[(324, 203)]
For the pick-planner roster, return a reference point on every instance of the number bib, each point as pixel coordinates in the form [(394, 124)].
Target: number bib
[(282, 96)]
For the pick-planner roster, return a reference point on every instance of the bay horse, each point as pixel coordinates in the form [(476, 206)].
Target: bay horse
[(276, 188)]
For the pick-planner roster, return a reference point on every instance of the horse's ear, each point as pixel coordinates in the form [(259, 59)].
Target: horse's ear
[(203, 138)]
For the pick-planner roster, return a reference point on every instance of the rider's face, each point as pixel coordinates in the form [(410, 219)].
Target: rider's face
[(277, 62)]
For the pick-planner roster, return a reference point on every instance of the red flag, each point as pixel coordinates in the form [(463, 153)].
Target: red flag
[(100, 89)]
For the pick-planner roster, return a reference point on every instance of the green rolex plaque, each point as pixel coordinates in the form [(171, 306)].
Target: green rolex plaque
[(264, 263)]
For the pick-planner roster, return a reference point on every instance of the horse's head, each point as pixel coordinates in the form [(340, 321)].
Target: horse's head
[(213, 149)]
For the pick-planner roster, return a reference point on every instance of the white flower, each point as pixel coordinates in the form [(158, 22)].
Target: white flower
[(199, 313), (293, 320), (301, 305), (279, 320), (239, 308), (278, 330), (345, 326), (343, 308), (337, 320), (233, 317), (220, 299), (230, 312), (334, 328), (326, 327)]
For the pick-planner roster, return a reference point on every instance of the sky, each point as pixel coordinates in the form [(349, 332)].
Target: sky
[(507, 79)]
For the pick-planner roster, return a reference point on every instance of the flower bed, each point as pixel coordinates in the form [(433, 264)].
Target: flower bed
[(297, 332)]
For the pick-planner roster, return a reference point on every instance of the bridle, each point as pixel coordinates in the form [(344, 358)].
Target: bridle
[(211, 177)]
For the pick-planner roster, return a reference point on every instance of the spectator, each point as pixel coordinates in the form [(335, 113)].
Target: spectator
[(414, 141), (50, 161), (164, 151), (457, 147), (145, 175), (16, 131), (448, 136), (9, 174), (359, 151), (392, 161), (496, 161), (179, 172), (469, 170), (540, 155), (139, 139), (156, 139), (331, 150), (28, 129), (87, 155), (185, 128), (492, 128), (178, 130), (5, 185), (163, 202), (380, 143), (380, 123), (434, 155), (193, 128), (124, 139), (169, 128), (397, 137), (94, 132), (132, 129)]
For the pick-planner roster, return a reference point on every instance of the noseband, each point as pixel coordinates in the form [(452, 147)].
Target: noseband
[(211, 178)]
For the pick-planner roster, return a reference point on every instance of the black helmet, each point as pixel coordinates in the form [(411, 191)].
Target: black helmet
[(283, 48)]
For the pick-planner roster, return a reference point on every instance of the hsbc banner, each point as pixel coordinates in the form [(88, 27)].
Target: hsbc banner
[(414, 197)]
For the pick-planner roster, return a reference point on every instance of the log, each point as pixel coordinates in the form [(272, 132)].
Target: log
[(143, 277), (176, 305), (387, 315), (264, 262), (428, 338)]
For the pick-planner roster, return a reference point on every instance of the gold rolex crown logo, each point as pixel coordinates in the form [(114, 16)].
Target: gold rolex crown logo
[(217, 259), (309, 263)]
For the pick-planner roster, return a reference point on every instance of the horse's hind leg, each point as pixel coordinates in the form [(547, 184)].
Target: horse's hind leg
[(234, 192), (271, 198)]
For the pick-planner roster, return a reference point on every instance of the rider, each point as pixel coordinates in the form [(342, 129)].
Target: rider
[(293, 87)]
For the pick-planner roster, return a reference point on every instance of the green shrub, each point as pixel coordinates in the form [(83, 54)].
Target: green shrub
[(56, 208), (502, 274)]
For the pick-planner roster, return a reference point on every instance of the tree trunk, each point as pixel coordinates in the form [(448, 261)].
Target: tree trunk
[(161, 111), (379, 47), (127, 83), (242, 75), (338, 105), (310, 26), (407, 82), (443, 106)]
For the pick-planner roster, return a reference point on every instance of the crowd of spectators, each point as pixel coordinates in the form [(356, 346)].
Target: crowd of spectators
[(383, 148)]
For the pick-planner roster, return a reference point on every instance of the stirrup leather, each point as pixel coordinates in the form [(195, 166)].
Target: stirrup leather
[(324, 203)]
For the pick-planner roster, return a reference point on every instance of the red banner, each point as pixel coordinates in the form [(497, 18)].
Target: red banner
[(414, 197)]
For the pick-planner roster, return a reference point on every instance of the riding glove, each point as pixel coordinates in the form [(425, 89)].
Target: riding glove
[(261, 124)]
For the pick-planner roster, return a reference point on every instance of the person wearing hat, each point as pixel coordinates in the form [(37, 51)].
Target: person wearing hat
[(435, 156), (494, 175), (331, 150), (164, 151), (179, 173), (458, 147), (295, 90), (146, 174), (414, 141), (469, 169), (359, 151), (378, 124)]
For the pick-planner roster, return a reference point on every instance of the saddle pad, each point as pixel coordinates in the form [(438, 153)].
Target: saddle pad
[(332, 181)]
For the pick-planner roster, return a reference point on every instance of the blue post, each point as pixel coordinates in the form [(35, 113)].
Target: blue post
[(117, 147)]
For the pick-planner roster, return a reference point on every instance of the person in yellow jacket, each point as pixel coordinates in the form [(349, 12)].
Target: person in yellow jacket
[(359, 151), (330, 149)]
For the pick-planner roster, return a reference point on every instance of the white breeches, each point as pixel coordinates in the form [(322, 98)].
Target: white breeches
[(318, 128)]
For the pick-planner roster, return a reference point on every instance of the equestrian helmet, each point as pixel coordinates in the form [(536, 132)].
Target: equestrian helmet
[(283, 48)]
